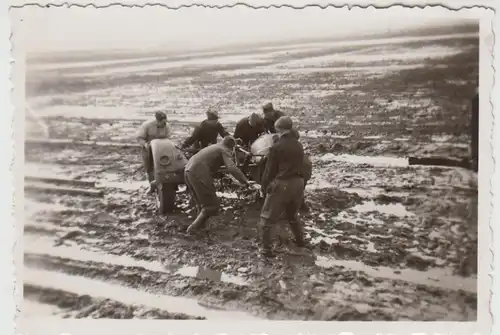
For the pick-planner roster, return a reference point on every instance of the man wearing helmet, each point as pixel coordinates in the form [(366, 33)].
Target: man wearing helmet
[(148, 131), (206, 132), (283, 183), (271, 115)]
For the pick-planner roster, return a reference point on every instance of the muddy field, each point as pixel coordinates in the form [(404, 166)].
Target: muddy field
[(389, 241)]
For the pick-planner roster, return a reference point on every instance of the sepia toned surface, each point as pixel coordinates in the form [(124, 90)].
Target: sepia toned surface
[(389, 239)]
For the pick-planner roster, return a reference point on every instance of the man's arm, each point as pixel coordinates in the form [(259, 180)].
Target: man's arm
[(238, 131), (142, 134), (232, 168), (168, 131), (307, 168), (193, 138), (271, 168), (222, 131)]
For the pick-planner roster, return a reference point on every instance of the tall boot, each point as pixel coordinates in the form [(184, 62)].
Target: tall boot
[(304, 207), (199, 222), (152, 183), (266, 240), (298, 231)]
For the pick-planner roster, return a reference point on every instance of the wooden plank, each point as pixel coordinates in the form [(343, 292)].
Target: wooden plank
[(63, 190), (61, 181)]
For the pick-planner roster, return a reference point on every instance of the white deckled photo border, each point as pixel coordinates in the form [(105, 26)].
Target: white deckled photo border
[(12, 210)]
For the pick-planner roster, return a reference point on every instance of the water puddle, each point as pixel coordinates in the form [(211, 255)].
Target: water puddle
[(368, 213), (45, 246), (32, 207), (442, 278), (394, 209), (319, 184), (320, 134), (369, 192), (126, 186), (30, 309), (359, 57), (376, 161), (125, 295), (201, 62), (42, 170), (201, 272)]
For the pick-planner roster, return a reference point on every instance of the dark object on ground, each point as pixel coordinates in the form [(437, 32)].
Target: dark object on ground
[(440, 161)]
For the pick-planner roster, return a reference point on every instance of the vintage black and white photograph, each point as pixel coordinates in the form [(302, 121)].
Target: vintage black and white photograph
[(240, 164)]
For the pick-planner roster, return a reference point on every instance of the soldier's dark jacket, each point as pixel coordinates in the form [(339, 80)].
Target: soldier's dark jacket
[(246, 132), (206, 134), (209, 160), (270, 120), (285, 160)]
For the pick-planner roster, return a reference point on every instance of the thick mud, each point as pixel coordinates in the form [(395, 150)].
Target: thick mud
[(389, 241)]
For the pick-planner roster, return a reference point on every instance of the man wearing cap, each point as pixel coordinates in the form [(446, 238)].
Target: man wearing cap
[(148, 131), (271, 115), (283, 182), (249, 129), (199, 178), (206, 132)]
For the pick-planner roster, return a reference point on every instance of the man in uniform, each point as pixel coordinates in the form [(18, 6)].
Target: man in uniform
[(271, 115), (474, 131), (307, 173), (206, 132), (283, 182), (199, 178), (148, 131), (249, 129)]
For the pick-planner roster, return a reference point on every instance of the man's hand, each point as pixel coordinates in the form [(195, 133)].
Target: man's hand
[(253, 185)]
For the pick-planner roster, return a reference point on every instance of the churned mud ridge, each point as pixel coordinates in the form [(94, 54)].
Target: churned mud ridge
[(135, 230), (76, 306), (280, 294)]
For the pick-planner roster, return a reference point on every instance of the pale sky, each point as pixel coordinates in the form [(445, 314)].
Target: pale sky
[(50, 29)]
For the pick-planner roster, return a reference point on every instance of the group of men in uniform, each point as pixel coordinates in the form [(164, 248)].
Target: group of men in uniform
[(283, 181)]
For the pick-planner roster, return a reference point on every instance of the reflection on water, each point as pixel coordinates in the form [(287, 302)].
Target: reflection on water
[(395, 209), (125, 295), (45, 246), (30, 308), (370, 160), (201, 272), (442, 278)]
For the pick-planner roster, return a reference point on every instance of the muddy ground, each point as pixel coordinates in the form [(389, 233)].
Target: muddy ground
[(389, 241)]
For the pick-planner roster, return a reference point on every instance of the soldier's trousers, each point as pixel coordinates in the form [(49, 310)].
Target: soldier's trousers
[(283, 196), (147, 161), (202, 190)]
